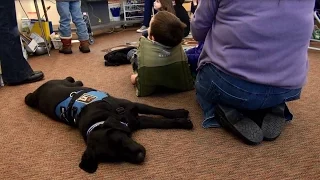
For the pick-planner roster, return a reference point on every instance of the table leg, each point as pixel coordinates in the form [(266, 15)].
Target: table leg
[(41, 26)]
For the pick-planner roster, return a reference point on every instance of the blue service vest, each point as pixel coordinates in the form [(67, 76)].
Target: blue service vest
[(85, 99)]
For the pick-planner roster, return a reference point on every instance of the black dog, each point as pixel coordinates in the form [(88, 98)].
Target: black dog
[(105, 122)]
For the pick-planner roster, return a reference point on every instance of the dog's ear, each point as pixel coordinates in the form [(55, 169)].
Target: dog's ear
[(116, 124), (88, 161), (30, 100)]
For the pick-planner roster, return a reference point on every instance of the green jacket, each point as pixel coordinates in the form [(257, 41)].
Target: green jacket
[(160, 66)]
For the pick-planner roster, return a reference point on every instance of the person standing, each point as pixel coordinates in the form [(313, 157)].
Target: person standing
[(68, 9), (15, 69)]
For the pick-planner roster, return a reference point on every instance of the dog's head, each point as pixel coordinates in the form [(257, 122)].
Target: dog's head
[(111, 142)]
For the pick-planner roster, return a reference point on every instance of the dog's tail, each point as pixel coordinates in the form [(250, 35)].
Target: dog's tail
[(30, 100)]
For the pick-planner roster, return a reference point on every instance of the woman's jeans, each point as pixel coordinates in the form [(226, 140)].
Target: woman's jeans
[(67, 10), (214, 87), (15, 68)]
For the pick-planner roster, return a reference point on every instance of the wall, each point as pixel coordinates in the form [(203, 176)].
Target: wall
[(28, 6)]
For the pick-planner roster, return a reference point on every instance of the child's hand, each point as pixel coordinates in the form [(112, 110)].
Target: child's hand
[(134, 78), (195, 2)]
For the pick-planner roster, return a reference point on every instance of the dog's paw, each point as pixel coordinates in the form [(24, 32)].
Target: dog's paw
[(88, 167), (185, 123), (180, 113), (30, 100), (70, 79), (79, 83)]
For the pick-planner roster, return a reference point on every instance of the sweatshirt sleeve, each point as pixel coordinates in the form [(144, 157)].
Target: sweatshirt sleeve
[(203, 19)]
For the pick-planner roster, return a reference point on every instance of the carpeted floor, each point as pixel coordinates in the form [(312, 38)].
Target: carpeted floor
[(36, 147)]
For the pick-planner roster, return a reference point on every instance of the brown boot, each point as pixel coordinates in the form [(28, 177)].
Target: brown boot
[(66, 46), (84, 46)]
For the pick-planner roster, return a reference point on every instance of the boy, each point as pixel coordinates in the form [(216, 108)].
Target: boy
[(66, 10), (160, 60)]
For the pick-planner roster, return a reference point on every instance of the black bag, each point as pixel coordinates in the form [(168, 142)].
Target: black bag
[(118, 57)]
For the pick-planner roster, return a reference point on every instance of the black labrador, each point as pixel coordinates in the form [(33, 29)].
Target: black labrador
[(105, 122)]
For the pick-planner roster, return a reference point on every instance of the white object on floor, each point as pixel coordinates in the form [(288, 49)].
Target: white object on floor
[(315, 15)]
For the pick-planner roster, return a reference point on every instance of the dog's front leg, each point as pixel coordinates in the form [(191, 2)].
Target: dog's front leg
[(176, 113), (164, 123)]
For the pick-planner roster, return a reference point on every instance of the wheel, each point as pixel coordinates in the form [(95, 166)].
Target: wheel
[(91, 39)]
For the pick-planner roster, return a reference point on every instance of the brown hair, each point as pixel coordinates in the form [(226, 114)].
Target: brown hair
[(166, 5), (167, 29)]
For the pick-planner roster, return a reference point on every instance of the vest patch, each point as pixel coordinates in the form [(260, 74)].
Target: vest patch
[(86, 98)]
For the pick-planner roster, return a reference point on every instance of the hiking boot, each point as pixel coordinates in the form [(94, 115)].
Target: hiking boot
[(66, 46), (84, 46)]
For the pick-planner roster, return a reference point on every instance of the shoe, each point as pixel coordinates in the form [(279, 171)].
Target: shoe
[(243, 127), (34, 77), (84, 46), (142, 29), (66, 46), (273, 123)]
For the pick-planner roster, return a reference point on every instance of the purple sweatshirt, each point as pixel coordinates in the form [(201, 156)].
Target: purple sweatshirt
[(261, 41)]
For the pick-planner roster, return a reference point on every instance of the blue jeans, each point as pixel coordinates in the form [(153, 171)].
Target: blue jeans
[(67, 10), (148, 4), (15, 68), (214, 87)]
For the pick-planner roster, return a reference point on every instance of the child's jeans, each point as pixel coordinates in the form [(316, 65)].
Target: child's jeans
[(132, 57), (67, 10)]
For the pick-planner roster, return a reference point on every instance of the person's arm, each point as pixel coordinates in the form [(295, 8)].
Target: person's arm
[(203, 19)]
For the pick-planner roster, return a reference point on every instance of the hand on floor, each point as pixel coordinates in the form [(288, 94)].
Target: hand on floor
[(134, 78)]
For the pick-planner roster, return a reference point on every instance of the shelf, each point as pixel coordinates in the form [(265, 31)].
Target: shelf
[(126, 5)]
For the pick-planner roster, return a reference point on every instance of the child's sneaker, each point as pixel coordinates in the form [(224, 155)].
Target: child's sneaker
[(316, 33), (142, 29)]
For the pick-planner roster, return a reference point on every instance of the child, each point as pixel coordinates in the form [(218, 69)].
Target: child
[(182, 14), (174, 7), (193, 54), (66, 10), (160, 60), (163, 5)]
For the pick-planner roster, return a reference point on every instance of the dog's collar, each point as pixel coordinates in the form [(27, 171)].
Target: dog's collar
[(98, 124), (94, 126)]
